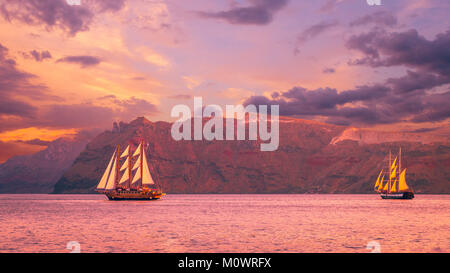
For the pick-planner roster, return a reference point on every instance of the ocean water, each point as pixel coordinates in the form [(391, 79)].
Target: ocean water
[(224, 223)]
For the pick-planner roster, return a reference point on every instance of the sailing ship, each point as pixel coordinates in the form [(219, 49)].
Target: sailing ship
[(394, 186), (132, 181)]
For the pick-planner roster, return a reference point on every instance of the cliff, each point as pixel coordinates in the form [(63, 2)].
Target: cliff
[(38, 173), (312, 158)]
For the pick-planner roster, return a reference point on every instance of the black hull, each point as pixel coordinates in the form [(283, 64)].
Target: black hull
[(405, 195), (131, 199), (133, 195)]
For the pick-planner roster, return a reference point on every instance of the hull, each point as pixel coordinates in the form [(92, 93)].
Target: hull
[(404, 195), (117, 195)]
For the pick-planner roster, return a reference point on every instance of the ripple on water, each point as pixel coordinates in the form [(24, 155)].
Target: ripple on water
[(224, 223)]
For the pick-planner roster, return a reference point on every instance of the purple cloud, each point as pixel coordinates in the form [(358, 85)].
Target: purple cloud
[(13, 83), (403, 48), (40, 56), (57, 13), (84, 61), (328, 70), (373, 104), (382, 18), (260, 12), (315, 30)]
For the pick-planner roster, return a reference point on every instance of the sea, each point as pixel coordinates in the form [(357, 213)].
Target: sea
[(224, 223)]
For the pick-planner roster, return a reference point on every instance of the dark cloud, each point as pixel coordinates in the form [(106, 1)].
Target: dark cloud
[(421, 95), (17, 88), (35, 141), (57, 13), (84, 61), (106, 5), (260, 12), (15, 85), (366, 105), (315, 30), (40, 56), (138, 78), (436, 108), (403, 48), (328, 70), (382, 18), (414, 81)]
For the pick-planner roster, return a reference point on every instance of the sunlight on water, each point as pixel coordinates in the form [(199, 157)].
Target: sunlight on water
[(225, 223)]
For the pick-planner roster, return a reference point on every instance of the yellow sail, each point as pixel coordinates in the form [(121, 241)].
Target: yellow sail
[(386, 187), (106, 175), (377, 184), (393, 173), (402, 186), (125, 153), (393, 164), (394, 188), (380, 187)]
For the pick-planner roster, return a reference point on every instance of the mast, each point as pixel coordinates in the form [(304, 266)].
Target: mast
[(117, 166), (389, 168), (142, 162), (129, 165)]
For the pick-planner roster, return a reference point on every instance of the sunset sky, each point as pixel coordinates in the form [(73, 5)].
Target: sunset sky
[(66, 69)]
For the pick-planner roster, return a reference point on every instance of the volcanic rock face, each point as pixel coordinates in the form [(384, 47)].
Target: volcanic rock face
[(38, 173), (366, 136), (307, 161)]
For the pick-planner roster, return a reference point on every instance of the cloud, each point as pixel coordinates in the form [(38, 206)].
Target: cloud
[(57, 13), (15, 85), (328, 70), (260, 12), (40, 56), (35, 141), (408, 48), (94, 114), (365, 105), (329, 5), (84, 61), (414, 81), (315, 30), (12, 148), (181, 97), (382, 18)]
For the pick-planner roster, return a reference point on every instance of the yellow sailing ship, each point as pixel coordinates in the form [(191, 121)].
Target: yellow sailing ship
[(391, 182), (132, 181)]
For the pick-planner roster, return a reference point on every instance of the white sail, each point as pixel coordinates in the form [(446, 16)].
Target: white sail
[(137, 164), (124, 166), (137, 176), (112, 177), (124, 178), (105, 176), (138, 151), (146, 176), (125, 153)]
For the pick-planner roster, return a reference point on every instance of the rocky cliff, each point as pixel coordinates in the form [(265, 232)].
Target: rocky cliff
[(38, 173), (312, 158)]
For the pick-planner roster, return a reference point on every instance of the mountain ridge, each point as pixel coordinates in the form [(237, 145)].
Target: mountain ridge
[(307, 161), (38, 172)]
